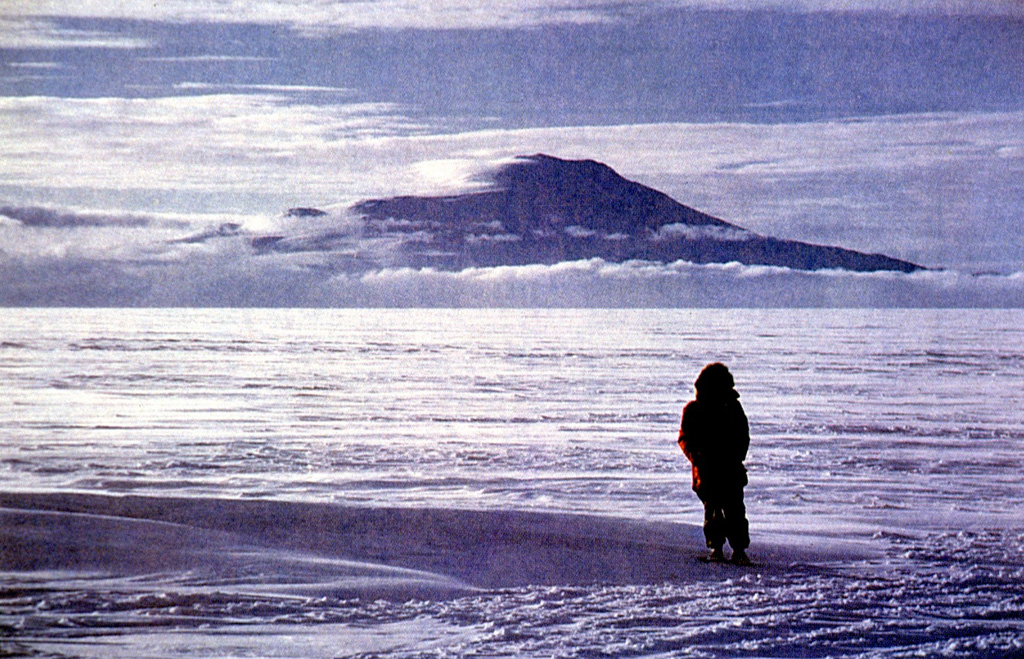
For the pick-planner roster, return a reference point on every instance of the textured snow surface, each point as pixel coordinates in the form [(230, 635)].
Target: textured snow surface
[(504, 483)]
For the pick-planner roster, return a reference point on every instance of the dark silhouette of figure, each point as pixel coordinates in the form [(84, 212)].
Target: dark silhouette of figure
[(715, 437)]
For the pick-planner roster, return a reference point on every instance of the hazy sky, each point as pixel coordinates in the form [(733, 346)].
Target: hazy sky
[(130, 128)]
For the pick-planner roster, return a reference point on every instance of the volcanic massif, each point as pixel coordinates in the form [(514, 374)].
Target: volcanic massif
[(543, 210)]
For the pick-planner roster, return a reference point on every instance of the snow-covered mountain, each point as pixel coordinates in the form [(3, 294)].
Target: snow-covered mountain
[(542, 209)]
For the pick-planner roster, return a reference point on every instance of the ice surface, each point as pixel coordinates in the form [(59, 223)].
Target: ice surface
[(348, 550), (505, 483)]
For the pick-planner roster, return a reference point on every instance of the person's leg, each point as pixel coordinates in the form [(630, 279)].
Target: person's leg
[(714, 529), (735, 524)]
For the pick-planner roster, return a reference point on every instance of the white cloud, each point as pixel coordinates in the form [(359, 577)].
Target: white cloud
[(207, 58), (577, 231), (597, 283), (85, 235), (20, 29), (453, 175), (287, 89), (954, 7), (37, 65), (211, 142), (493, 238), (320, 16), (44, 217), (677, 231)]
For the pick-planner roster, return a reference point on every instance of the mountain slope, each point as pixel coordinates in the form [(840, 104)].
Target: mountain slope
[(546, 210)]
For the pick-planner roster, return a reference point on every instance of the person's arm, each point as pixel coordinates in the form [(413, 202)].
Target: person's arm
[(682, 440), (742, 431), (686, 435)]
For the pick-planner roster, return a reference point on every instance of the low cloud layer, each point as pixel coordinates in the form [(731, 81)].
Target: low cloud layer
[(306, 280), (597, 283), (89, 258), (31, 236), (41, 216)]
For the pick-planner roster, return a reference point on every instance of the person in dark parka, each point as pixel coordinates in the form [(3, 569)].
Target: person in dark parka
[(715, 437)]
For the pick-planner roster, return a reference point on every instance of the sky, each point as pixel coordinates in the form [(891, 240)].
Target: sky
[(145, 144)]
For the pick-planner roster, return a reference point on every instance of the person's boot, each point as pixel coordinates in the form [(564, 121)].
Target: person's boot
[(739, 557), (716, 555)]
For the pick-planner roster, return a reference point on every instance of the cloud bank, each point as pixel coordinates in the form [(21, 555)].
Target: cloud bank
[(67, 257), (211, 142), (596, 283), (307, 281), (941, 189), (229, 140)]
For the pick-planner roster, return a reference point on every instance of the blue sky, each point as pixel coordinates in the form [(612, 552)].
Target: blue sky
[(891, 127)]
